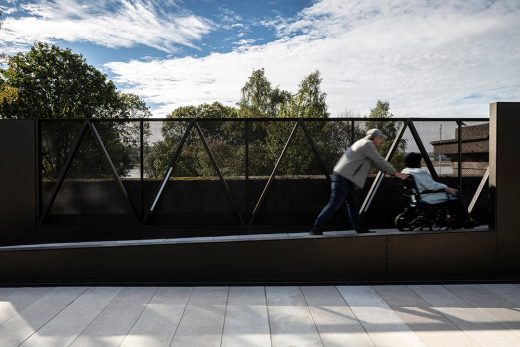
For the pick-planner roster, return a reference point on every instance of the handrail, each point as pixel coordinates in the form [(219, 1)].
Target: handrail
[(257, 119)]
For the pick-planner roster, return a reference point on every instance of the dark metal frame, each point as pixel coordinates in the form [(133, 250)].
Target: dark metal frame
[(89, 125), (479, 190), (63, 172), (219, 173), (144, 213), (379, 178), (424, 154), (273, 173), (459, 145), (167, 175)]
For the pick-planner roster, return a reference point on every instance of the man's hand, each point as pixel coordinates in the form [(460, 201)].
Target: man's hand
[(401, 175), (452, 191)]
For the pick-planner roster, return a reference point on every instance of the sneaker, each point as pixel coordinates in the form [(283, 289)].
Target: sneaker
[(315, 231)]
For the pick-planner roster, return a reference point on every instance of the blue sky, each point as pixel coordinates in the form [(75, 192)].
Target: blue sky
[(427, 57)]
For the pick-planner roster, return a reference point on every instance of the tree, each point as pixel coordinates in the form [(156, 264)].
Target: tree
[(224, 138), (265, 140), (54, 83), (390, 129), (309, 100), (259, 99)]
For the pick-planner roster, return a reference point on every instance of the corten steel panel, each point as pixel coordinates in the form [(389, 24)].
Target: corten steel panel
[(17, 180), (504, 179), (330, 259), (235, 261), (441, 256), (42, 266), (144, 263)]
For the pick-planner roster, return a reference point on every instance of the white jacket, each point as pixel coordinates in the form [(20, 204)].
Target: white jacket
[(424, 181), (357, 160)]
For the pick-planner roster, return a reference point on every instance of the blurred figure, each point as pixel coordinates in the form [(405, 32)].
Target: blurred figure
[(351, 173)]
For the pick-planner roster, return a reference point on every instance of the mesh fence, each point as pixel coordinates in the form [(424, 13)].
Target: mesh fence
[(217, 172), (57, 140), (90, 192)]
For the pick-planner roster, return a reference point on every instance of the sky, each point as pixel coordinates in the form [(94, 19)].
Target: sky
[(428, 58)]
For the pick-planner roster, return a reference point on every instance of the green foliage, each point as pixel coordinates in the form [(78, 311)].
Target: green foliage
[(224, 138), (259, 99), (390, 129), (54, 83), (309, 100), (227, 139)]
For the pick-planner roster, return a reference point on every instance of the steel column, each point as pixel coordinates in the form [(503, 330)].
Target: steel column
[(459, 146), (141, 168)]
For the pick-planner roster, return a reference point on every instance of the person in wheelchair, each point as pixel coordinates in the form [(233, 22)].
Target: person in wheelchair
[(432, 205), (432, 192)]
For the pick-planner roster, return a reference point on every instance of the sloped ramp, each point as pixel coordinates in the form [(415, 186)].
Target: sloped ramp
[(336, 257)]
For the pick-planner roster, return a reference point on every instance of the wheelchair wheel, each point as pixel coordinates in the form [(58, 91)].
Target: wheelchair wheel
[(403, 222)]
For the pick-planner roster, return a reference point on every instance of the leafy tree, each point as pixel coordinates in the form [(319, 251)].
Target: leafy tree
[(265, 139), (259, 99), (389, 128), (309, 100), (54, 83), (224, 138)]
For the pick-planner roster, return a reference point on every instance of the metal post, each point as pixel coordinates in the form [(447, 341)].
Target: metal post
[(39, 158), (459, 171), (352, 132), (246, 158), (141, 165), (440, 157), (246, 154)]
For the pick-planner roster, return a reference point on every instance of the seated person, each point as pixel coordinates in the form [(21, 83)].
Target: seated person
[(424, 181)]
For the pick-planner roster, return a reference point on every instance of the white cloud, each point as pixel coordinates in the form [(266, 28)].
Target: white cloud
[(243, 42), (428, 58), (124, 23)]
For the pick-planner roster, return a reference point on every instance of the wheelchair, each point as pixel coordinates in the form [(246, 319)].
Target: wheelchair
[(419, 215)]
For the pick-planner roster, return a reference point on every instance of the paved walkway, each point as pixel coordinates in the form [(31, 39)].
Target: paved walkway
[(405, 315)]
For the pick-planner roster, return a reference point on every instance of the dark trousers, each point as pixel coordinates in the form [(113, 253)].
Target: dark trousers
[(341, 190)]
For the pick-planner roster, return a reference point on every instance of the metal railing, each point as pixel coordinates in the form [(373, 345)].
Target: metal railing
[(166, 165)]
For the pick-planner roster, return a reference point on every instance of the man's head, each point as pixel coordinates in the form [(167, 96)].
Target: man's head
[(413, 160), (376, 136)]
